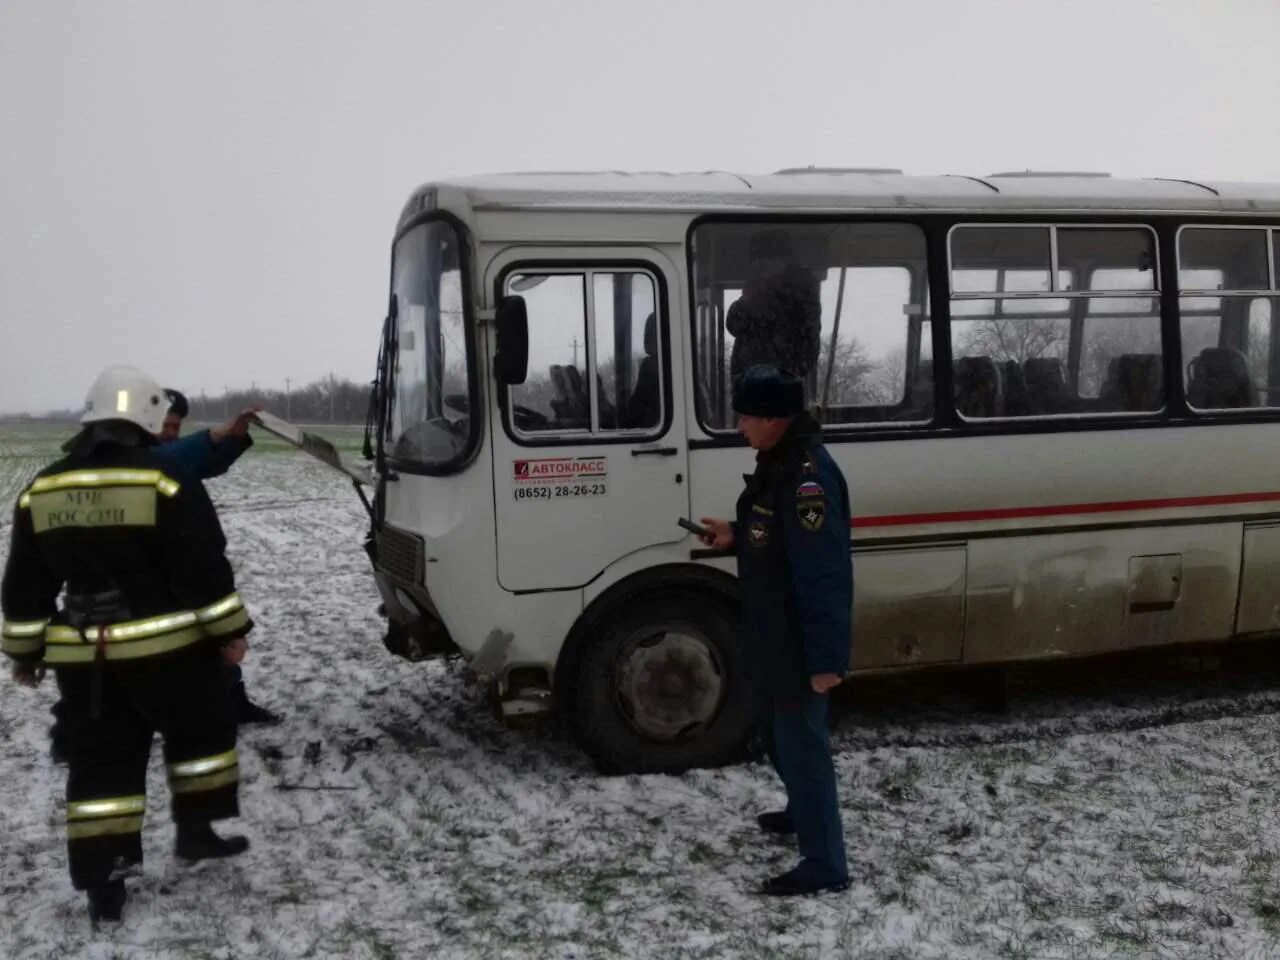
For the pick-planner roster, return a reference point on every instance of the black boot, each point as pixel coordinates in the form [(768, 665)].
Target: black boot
[(197, 841), (803, 881), (776, 822), (106, 901), (58, 734), (57, 745), (249, 712)]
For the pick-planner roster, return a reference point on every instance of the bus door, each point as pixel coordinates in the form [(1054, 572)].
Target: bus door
[(590, 463)]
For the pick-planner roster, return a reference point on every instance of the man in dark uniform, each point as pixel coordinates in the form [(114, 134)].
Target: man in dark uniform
[(796, 576), (149, 615)]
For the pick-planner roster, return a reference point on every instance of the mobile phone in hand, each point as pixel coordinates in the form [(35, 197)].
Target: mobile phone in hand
[(694, 528)]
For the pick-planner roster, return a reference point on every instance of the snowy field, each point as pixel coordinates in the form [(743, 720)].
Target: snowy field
[(391, 816)]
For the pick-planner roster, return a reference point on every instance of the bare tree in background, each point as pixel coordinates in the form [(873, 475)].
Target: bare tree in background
[(852, 381), (1011, 338)]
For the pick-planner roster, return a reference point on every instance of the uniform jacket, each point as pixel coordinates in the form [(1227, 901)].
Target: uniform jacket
[(115, 516), (794, 564)]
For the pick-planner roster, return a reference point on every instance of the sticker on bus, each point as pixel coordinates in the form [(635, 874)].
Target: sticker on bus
[(556, 478)]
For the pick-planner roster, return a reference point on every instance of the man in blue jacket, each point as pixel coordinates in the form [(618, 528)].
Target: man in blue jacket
[(796, 579), (201, 456)]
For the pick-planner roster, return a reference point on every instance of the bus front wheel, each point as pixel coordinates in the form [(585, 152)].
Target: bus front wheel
[(661, 687)]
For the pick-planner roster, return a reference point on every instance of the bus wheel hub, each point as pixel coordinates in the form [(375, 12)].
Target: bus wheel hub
[(669, 682)]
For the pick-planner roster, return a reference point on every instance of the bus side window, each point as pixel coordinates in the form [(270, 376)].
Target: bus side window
[(594, 364), (1056, 308), (1226, 312), (552, 398), (628, 351)]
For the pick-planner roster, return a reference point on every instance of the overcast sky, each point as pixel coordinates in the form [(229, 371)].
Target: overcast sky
[(207, 190)]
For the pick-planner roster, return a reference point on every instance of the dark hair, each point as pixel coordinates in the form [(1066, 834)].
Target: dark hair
[(177, 403)]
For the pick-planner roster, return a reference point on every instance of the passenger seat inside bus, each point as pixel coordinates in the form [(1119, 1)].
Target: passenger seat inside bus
[(1134, 382), (570, 405), (1015, 389), (1047, 390), (920, 405), (575, 403), (977, 387), (645, 402), (1220, 380)]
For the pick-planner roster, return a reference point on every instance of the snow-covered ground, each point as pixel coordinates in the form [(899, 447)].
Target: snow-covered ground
[(391, 816)]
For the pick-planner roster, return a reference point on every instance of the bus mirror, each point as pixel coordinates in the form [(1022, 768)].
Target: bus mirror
[(511, 363)]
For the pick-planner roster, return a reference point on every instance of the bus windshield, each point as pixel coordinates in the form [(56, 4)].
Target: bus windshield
[(430, 420)]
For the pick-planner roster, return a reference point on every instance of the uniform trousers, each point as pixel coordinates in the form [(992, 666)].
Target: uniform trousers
[(799, 746), (109, 723)]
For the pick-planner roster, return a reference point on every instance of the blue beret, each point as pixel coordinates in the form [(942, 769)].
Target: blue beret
[(766, 391)]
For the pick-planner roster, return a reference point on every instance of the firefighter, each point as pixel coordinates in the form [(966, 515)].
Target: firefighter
[(149, 616), (202, 455)]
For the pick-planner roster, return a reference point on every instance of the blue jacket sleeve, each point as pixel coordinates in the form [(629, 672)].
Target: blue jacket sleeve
[(815, 526), (196, 455)]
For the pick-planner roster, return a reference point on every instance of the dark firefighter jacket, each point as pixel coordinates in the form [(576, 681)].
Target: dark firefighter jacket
[(111, 520), (795, 569)]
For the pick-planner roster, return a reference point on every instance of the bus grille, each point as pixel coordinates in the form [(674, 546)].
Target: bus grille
[(401, 555)]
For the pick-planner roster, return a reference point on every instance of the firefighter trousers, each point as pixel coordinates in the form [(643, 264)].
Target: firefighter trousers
[(182, 697)]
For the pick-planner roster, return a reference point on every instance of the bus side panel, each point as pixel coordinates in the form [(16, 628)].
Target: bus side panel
[(1089, 592), (1259, 595), (908, 606)]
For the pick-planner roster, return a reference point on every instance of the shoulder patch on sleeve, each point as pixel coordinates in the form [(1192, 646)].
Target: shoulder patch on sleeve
[(810, 488), (811, 512)]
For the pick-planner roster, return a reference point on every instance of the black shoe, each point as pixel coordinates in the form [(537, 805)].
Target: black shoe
[(776, 821), (802, 882), (57, 747), (106, 901), (197, 841), (250, 712)]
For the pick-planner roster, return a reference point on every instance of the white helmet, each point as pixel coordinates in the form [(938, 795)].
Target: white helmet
[(125, 393)]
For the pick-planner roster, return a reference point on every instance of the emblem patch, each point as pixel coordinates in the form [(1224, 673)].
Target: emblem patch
[(812, 513), (758, 534), (809, 489)]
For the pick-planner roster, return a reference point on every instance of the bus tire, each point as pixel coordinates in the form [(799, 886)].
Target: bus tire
[(661, 686)]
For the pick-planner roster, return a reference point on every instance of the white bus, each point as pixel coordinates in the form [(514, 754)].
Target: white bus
[(1056, 398)]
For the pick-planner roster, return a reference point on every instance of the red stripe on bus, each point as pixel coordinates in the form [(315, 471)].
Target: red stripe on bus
[(1062, 510)]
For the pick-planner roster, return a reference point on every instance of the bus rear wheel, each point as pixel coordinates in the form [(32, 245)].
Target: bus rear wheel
[(661, 687)]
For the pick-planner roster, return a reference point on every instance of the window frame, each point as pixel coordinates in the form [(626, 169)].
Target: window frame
[(1055, 266), (946, 423), (586, 268), (999, 297), (475, 428), (721, 434), (1270, 233)]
